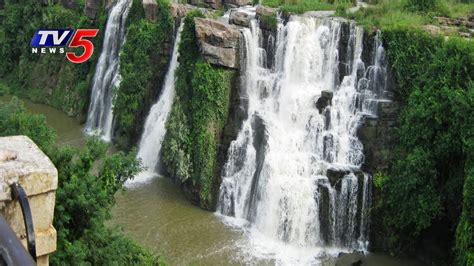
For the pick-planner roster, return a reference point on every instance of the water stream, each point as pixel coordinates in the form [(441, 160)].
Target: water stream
[(293, 176), (107, 77), (154, 130)]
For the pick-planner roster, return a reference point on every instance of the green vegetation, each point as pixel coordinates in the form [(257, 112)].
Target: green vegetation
[(88, 179), (268, 21), (436, 141), (45, 78), (408, 13), (197, 119), (143, 67)]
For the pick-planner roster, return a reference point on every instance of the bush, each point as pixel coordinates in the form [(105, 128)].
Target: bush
[(45, 78), (435, 134), (88, 180)]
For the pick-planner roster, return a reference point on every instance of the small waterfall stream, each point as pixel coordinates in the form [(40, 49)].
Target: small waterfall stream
[(107, 74), (155, 124), (293, 174)]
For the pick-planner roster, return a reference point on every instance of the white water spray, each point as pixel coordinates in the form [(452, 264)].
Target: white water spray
[(107, 74), (155, 125), (280, 175)]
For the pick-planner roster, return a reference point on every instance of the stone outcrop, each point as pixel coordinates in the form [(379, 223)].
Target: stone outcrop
[(239, 18), (237, 3), (91, 8), (180, 10), (214, 4), (21, 161), (265, 11), (151, 9), (218, 42)]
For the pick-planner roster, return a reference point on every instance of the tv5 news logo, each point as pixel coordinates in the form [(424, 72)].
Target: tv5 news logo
[(54, 40)]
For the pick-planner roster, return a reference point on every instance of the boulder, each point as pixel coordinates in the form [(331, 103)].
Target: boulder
[(180, 10), (324, 100), (151, 8), (265, 11), (239, 18), (432, 29), (91, 8), (218, 42), (214, 4), (237, 3)]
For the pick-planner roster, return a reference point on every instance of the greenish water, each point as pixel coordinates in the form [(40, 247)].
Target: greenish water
[(158, 216), (69, 131)]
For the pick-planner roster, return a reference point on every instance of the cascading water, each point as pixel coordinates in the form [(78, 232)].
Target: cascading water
[(293, 173), (107, 74), (155, 124)]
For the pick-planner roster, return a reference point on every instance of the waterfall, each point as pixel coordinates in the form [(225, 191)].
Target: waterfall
[(107, 74), (155, 124), (293, 173)]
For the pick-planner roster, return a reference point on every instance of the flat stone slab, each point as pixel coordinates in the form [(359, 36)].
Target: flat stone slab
[(25, 163)]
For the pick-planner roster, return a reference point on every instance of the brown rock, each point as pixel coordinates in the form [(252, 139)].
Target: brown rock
[(218, 42), (265, 11), (239, 18), (214, 4), (180, 10), (432, 29), (237, 3)]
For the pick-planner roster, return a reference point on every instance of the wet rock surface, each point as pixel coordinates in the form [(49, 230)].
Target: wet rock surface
[(324, 100)]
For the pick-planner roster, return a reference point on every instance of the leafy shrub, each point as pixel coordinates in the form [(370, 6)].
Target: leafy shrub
[(87, 182), (436, 131)]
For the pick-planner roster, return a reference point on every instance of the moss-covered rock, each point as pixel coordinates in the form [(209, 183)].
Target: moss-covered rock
[(143, 63), (197, 121)]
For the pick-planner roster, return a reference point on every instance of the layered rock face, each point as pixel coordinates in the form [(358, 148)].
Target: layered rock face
[(218, 42), (22, 162)]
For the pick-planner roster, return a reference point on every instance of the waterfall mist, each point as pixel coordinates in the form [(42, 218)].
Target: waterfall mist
[(293, 177)]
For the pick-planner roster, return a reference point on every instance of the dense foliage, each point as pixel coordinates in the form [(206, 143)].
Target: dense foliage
[(436, 140), (142, 66), (88, 180), (46, 78), (197, 119), (409, 13)]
